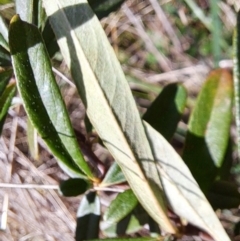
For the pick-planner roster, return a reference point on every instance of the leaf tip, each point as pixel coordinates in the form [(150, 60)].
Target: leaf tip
[(15, 18)]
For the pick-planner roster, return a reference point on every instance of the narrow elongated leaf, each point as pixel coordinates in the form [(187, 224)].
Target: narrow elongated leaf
[(236, 71), (88, 217), (73, 187), (3, 34), (113, 176), (5, 103), (182, 191), (166, 110), (130, 224), (120, 207), (209, 126), (49, 39), (41, 96), (40, 16), (31, 11), (4, 79), (5, 59), (224, 195), (108, 100)]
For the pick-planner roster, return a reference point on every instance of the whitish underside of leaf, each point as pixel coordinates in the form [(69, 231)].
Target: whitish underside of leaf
[(108, 99), (182, 191), (113, 176)]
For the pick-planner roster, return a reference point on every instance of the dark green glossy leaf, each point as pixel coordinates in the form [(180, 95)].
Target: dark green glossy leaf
[(4, 79), (3, 43), (209, 126), (73, 187), (5, 103), (3, 34), (41, 96), (5, 59), (120, 207), (104, 7), (236, 71), (166, 110), (113, 176), (49, 39), (224, 195), (88, 217)]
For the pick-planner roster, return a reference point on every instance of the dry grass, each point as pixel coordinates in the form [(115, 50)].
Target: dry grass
[(139, 29)]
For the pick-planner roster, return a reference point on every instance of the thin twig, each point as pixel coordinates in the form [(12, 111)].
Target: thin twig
[(108, 189), (63, 77), (166, 25), (162, 60), (28, 186)]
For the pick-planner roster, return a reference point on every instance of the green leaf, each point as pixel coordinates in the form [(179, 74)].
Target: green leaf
[(40, 17), (209, 126), (108, 99), (41, 96), (224, 195), (167, 109), (73, 187), (3, 34), (225, 170), (182, 191), (144, 86), (31, 11), (120, 207), (5, 59), (5, 103), (113, 176), (236, 74), (130, 224), (88, 217), (5, 77), (25, 9), (127, 225), (49, 39), (32, 140), (104, 7)]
